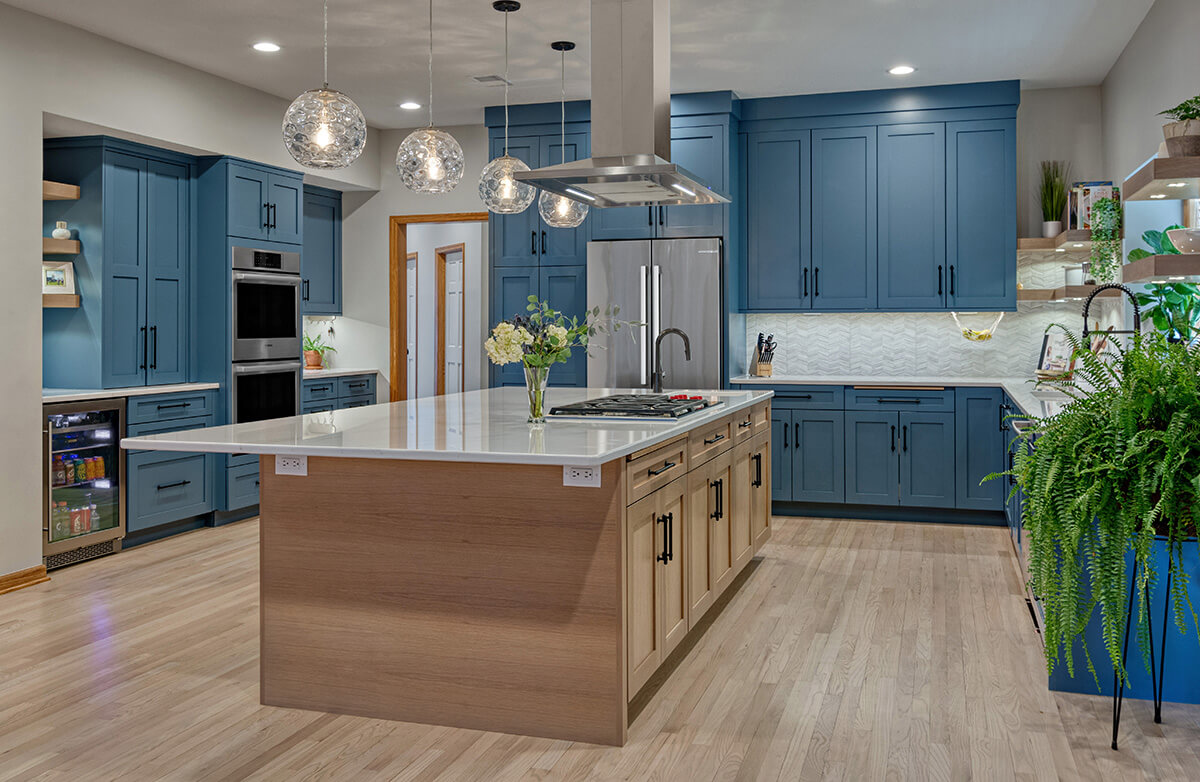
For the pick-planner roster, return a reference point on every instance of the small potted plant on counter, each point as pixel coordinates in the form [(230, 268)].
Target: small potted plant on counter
[(1054, 196), (543, 338), (314, 352), (1183, 132)]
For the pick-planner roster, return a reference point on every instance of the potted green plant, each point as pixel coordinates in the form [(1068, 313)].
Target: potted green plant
[(1158, 242), (1183, 132), (1173, 308), (315, 350), (1112, 485), (1106, 240), (1053, 194)]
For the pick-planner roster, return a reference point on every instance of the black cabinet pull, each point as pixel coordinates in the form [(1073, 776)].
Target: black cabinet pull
[(785, 431), (666, 466), (267, 215), (951, 279), (357, 385), (663, 556), (816, 281), (144, 351), (745, 424), (670, 536), (154, 347), (718, 487), (801, 396), (543, 242), (796, 439), (757, 470), (650, 215), (174, 485), (939, 279), (884, 401), (274, 216), (893, 439), (806, 283), (904, 434), (304, 290), (533, 243), (174, 405), (661, 209), (1003, 418), (716, 439)]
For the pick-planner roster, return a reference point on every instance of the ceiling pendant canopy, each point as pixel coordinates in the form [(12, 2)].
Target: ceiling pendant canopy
[(559, 211), (430, 160), (323, 128), (497, 189)]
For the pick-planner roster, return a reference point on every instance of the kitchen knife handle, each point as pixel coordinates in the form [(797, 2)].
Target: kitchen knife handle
[(757, 470), (893, 439), (939, 279), (533, 243), (543, 242), (666, 466)]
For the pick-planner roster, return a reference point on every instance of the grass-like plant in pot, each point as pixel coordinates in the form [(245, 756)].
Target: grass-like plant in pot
[(1110, 481), (1183, 132), (1053, 193)]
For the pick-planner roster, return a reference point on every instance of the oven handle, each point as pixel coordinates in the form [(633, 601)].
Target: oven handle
[(269, 279), (262, 368)]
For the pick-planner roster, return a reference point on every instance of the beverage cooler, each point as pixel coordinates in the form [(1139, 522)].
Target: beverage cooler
[(83, 512)]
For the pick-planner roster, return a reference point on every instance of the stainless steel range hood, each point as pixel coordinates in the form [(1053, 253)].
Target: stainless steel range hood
[(631, 117)]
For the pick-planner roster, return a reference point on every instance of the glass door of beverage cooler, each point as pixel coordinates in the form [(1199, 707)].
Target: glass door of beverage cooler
[(83, 468)]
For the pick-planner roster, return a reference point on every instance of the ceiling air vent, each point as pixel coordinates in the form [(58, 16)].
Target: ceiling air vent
[(491, 80)]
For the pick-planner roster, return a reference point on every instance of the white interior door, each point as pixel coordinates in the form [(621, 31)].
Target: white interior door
[(453, 325), (410, 310)]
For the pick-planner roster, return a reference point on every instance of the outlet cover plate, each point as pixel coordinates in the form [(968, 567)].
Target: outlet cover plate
[(291, 465), (581, 476)]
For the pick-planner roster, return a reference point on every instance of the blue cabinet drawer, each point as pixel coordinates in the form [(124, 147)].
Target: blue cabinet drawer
[(794, 397), (164, 407), (356, 401), (318, 390), (925, 400), (319, 407), (240, 459), (166, 487), (241, 486), (161, 427), (356, 385)]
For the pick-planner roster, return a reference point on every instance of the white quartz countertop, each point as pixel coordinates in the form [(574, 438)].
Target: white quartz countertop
[(50, 395), (1031, 400), (317, 374), (476, 426)]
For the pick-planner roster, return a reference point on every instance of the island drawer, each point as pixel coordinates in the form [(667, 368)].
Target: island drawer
[(743, 425), (648, 471), (709, 440), (762, 418)]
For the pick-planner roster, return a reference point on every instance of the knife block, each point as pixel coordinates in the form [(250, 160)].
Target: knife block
[(762, 369)]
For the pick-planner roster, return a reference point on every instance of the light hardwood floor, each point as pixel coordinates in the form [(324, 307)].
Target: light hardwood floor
[(853, 650)]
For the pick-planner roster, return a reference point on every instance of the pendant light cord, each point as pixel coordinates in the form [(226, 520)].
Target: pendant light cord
[(431, 63), (325, 44), (506, 83), (562, 140)]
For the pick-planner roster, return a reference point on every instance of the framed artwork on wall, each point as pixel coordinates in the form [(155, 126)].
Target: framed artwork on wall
[(58, 277)]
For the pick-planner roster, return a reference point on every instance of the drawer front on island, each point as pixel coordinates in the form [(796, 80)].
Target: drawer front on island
[(650, 470), (707, 441)]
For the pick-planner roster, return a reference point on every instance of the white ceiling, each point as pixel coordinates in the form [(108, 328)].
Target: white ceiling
[(378, 48)]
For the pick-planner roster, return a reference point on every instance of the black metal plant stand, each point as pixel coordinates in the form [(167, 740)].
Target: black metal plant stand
[(1157, 674)]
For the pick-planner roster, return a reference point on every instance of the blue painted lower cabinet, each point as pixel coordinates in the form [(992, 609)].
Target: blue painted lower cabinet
[(818, 456), (872, 464), (927, 460), (164, 486)]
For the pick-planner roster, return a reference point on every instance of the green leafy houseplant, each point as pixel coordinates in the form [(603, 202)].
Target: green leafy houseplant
[(1053, 189), (1189, 109), (1117, 466), (1182, 134), (317, 345), (1158, 242), (1173, 308), (1106, 239)]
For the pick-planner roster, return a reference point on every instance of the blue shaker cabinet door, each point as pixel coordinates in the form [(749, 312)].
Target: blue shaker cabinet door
[(981, 434), (515, 239), (124, 301), (927, 460), (563, 246), (777, 219), (287, 208), (818, 458), (703, 151), (321, 259), (844, 199), (565, 288), (781, 455), (168, 188), (981, 214), (623, 222), (511, 289), (872, 458), (912, 217), (248, 201)]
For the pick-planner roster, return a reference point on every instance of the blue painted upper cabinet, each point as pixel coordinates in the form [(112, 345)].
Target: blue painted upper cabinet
[(777, 214), (514, 240), (981, 214), (912, 217), (264, 204), (321, 257), (168, 254), (511, 288), (843, 218), (124, 332), (562, 246), (565, 289)]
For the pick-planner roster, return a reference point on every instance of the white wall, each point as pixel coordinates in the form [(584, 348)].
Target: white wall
[(362, 332), (1058, 124), (47, 67)]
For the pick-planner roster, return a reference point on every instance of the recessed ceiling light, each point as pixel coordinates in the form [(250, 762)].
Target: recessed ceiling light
[(1177, 184), (901, 70), (1158, 195), (266, 46), (410, 105)]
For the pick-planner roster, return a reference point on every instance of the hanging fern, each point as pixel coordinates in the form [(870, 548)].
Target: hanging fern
[(1106, 239), (1117, 466)]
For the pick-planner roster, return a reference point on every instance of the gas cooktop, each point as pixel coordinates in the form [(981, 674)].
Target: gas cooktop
[(636, 406)]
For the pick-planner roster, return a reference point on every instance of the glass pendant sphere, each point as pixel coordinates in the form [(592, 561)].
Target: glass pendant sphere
[(559, 211), (430, 161), (500, 192), (324, 129)]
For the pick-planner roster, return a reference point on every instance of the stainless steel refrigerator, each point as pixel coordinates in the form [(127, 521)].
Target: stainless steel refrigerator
[(664, 283)]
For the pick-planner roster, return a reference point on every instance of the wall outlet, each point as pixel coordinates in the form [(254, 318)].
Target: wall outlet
[(581, 476), (291, 465)]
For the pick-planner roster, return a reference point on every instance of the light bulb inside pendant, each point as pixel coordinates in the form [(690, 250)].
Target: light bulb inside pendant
[(324, 136)]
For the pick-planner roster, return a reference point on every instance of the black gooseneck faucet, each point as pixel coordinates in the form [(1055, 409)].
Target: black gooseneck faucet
[(658, 370)]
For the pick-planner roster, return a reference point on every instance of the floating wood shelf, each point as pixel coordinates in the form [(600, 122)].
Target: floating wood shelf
[(1161, 178), (60, 300), (1076, 241), (1164, 268), (57, 191), (60, 246), (1065, 293)]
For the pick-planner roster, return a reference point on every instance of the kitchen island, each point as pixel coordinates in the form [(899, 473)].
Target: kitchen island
[(430, 564)]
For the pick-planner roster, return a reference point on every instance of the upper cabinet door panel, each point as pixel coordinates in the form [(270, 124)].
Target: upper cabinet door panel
[(623, 222), (843, 218), (515, 239), (287, 208), (321, 258), (565, 288), (912, 217), (123, 338), (563, 246), (168, 245), (511, 289), (981, 214), (703, 150), (249, 200), (777, 219)]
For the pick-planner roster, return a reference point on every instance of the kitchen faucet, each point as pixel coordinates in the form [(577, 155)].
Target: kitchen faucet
[(658, 370)]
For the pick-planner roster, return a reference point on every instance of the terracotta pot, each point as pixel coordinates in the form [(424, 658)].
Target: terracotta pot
[(1183, 138), (312, 360)]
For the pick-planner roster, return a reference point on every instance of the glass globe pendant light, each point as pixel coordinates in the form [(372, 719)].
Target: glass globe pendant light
[(430, 160), (557, 210), (324, 128), (497, 189)]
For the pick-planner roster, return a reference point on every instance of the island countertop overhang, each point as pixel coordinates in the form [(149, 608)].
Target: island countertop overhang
[(486, 426)]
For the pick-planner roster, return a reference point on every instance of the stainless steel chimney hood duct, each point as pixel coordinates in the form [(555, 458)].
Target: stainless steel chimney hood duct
[(631, 117)]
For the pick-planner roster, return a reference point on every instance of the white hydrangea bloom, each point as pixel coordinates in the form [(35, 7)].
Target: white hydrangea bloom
[(504, 346), (559, 334)]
